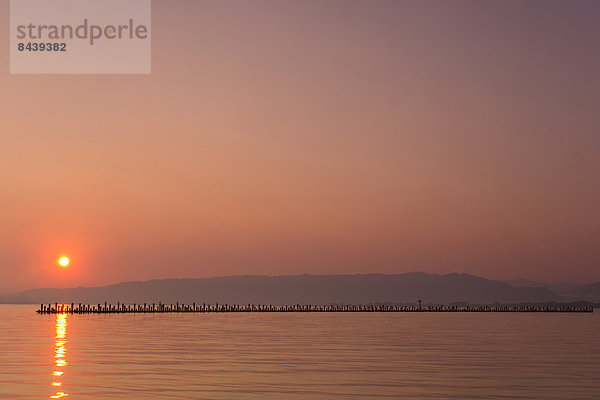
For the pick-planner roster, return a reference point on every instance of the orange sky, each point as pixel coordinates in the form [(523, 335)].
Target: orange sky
[(313, 137)]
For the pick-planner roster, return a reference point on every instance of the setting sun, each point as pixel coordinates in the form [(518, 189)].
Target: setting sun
[(63, 261)]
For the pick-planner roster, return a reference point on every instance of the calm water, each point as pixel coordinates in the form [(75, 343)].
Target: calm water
[(299, 356)]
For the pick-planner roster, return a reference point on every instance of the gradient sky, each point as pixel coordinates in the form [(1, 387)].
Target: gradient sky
[(280, 137)]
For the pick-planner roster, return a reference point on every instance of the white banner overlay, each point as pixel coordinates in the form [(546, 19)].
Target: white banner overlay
[(80, 36)]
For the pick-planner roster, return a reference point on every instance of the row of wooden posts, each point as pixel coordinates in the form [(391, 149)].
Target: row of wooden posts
[(120, 308)]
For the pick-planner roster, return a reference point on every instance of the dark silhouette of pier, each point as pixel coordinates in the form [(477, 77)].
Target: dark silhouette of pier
[(248, 308)]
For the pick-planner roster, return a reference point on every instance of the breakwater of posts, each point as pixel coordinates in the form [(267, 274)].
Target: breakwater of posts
[(120, 308)]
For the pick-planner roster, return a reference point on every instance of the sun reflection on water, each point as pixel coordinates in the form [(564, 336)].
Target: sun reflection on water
[(60, 353)]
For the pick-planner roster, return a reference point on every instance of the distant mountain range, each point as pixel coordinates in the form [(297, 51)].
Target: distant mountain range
[(587, 292), (557, 287), (311, 289)]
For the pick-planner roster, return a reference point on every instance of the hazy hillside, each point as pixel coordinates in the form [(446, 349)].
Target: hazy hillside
[(525, 283), (556, 287), (314, 289), (588, 292)]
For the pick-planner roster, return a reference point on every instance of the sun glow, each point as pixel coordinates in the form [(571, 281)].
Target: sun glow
[(63, 261)]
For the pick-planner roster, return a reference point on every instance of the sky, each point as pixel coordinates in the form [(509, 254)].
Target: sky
[(321, 137)]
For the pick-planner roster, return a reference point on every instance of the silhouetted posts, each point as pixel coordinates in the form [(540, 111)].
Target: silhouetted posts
[(227, 308)]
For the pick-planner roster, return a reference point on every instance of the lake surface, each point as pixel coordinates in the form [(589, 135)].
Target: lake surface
[(299, 356)]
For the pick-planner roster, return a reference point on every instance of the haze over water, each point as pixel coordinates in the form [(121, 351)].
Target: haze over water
[(299, 356), (286, 138)]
